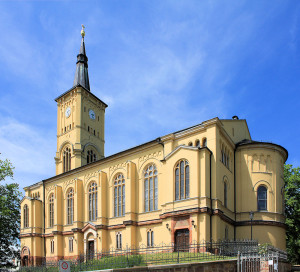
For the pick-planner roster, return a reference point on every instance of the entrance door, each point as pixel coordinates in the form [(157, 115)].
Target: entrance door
[(91, 249), (182, 238), (25, 261)]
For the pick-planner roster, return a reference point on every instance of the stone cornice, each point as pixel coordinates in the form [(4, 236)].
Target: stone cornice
[(257, 145)]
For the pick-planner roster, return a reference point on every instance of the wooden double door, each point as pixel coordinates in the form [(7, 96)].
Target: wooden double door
[(91, 249), (182, 240)]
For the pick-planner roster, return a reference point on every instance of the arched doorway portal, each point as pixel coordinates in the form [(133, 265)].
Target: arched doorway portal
[(90, 242), (25, 254), (182, 240)]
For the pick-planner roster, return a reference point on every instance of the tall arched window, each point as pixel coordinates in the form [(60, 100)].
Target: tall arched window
[(204, 142), (119, 195), (70, 206), (67, 159), (182, 180), (262, 198), (51, 210), (151, 188), (93, 209), (25, 214), (91, 156), (225, 194)]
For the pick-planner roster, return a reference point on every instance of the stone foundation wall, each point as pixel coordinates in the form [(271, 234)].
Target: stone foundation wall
[(213, 266), (216, 266)]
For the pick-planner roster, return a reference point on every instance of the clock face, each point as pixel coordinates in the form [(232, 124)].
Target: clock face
[(68, 112), (92, 114)]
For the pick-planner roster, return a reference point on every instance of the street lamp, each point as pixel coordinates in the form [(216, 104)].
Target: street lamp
[(251, 218)]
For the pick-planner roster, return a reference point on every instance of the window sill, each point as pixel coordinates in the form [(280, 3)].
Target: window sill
[(121, 216), (183, 199), (154, 211)]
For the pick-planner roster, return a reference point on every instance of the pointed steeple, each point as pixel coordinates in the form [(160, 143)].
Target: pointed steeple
[(81, 74)]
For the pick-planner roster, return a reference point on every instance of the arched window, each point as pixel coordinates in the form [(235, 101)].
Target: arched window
[(70, 206), (91, 156), (190, 144), (222, 154), (119, 195), (25, 214), (151, 188), (204, 142), (93, 209), (182, 180), (51, 210), (67, 159), (150, 238), (119, 240), (197, 143), (225, 194), (262, 198)]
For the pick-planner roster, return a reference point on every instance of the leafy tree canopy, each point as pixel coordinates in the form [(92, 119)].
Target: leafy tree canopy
[(10, 197), (292, 210), (6, 169)]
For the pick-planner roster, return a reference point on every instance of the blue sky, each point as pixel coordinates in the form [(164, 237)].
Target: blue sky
[(161, 66)]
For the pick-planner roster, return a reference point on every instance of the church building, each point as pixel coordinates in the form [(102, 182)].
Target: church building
[(206, 182)]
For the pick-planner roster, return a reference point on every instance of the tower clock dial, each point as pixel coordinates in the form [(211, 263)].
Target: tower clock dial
[(92, 114), (68, 112)]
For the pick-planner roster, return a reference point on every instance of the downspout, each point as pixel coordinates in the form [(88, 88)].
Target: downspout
[(234, 180), (44, 221), (159, 141), (211, 209)]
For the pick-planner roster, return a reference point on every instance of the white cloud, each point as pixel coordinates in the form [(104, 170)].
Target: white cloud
[(30, 151)]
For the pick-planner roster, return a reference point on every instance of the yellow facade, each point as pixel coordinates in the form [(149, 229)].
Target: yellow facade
[(204, 179)]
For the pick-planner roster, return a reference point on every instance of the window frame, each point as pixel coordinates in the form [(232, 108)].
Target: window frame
[(52, 246), (260, 187), (119, 240), (150, 188), (93, 201), (26, 216), (51, 210), (71, 244), (182, 180), (91, 156), (119, 195), (70, 206), (150, 238), (66, 159), (225, 194)]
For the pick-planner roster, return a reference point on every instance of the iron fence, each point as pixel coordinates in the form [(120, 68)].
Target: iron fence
[(259, 262), (155, 255)]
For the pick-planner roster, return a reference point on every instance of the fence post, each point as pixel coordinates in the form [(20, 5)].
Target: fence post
[(127, 255), (238, 261)]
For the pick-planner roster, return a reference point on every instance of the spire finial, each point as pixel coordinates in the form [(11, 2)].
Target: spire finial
[(81, 74), (82, 31)]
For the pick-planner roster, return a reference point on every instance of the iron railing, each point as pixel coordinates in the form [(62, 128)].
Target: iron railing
[(154, 255)]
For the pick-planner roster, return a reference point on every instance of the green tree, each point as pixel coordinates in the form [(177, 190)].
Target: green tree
[(10, 197), (292, 210), (6, 169)]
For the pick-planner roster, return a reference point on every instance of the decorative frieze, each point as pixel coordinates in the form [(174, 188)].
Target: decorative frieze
[(50, 188), (150, 156), (89, 175), (116, 166)]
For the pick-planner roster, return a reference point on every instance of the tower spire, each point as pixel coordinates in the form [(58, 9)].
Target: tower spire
[(81, 74)]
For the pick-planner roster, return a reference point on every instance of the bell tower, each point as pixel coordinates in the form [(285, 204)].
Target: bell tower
[(80, 120)]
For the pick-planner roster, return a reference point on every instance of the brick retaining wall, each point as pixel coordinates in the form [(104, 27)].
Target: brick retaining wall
[(213, 266)]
